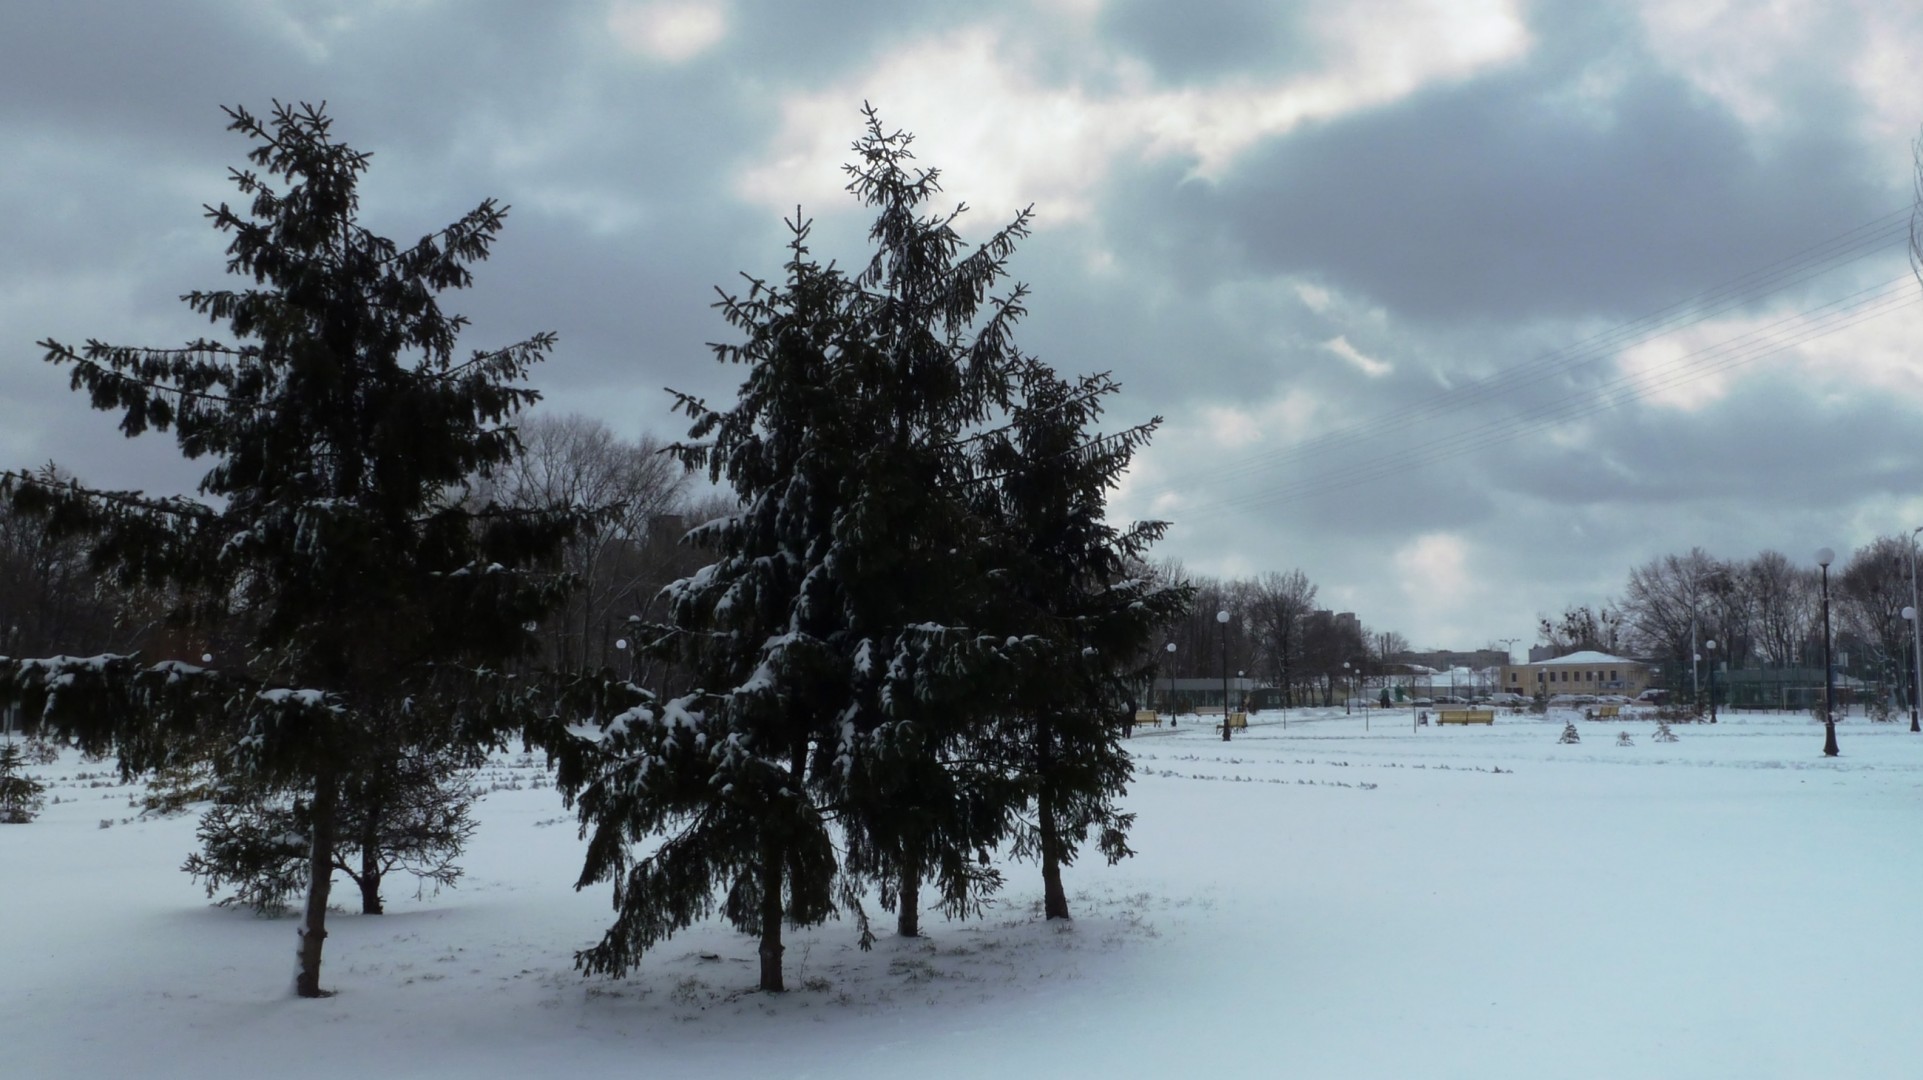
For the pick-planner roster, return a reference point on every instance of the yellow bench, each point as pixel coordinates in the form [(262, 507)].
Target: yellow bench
[(1465, 716), (1147, 718), (1238, 721), (1606, 712)]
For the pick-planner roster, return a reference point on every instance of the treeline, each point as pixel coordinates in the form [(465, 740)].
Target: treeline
[(1764, 611), (896, 644), (60, 594), (1276, 634)]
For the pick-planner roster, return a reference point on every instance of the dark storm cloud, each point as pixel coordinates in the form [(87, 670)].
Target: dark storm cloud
[(1769, 443), (1498, 199), (1188, 43)]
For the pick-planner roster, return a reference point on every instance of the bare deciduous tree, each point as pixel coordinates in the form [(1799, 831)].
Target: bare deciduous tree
[(575, 460)]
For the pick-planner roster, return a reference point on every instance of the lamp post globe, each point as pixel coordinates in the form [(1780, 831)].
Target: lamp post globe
[(1824, 557), (1222, 617)]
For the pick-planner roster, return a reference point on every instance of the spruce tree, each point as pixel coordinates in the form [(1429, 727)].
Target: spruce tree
[(1076, 610), (21, 796), (413, 815), (343, 428), (831, 636)]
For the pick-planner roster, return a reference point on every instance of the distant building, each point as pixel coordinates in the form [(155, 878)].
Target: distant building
[(1445, 659), (1587, 672)]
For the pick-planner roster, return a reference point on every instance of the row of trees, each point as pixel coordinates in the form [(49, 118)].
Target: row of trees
[(899, 644), (1762, 611), (1275, 634)]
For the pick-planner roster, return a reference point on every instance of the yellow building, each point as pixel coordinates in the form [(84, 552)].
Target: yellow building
[(1578, 673)]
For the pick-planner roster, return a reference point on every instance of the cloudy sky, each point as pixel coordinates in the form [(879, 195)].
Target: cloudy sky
[(1462, 307)]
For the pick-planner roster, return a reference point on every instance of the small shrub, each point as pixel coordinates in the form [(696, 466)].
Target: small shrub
[(21, 796), (1569, 733)]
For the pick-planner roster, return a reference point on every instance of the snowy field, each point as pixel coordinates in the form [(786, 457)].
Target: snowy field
[(1315, 901)]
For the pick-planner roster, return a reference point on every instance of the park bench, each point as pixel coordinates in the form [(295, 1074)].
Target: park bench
[(1238, 721), (1147, 718), (1608, 712), (1465, 716)]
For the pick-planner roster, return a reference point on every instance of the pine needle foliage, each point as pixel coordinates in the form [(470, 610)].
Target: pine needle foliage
[(342, 428)]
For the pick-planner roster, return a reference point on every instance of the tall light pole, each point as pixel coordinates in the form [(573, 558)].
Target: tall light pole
[(1695, 688), (1916, 642), (1348, 689), (1223, 618), (1824, 556), (1170, 649), (1508, 658), (1909, 616), (1711, 646)]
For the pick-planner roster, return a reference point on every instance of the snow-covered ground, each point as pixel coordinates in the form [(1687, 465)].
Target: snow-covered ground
[(1315, 901)]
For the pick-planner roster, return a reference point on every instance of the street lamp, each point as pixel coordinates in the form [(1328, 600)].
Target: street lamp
[(1223, 618), (1909, 616), (1824, 556), (1169, 698), (1711, 646), (1915, 643), (1348, 689), (1695, 688)]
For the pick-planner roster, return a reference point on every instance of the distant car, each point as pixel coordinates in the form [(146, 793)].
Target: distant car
[(1424, 701), (1653, 695)]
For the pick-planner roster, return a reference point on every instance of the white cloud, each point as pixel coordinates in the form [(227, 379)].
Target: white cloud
[(1434, 584), (1368, 365), (1827, 350), (1315, 297), (1230, 426), (1756, 58), (669, 30), (1011, 129)]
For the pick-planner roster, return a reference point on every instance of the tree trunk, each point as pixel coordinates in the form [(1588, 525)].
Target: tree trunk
[(1054, 899), (771, 915), (370, 875), (320, 877), (908, 913)]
